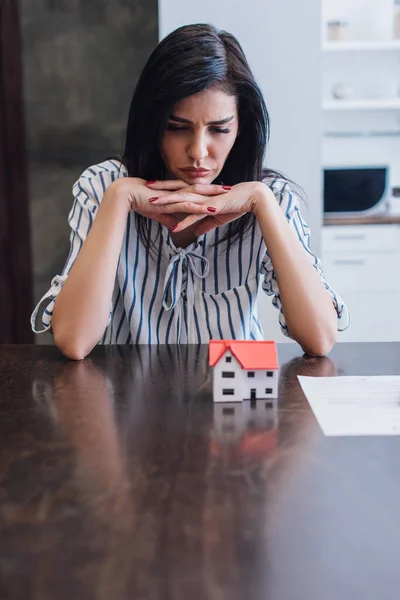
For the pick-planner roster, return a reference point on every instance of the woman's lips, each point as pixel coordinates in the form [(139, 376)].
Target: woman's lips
[(196, 172)]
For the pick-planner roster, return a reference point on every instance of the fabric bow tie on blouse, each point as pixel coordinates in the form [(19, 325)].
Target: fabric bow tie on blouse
[(174, 275)]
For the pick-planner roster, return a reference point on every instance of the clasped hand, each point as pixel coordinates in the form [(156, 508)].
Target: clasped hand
[(178, 205)]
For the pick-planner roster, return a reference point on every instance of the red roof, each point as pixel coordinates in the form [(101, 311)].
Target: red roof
[(250, 354)]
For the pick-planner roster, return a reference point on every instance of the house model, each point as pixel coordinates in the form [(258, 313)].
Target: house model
[(244, 370)]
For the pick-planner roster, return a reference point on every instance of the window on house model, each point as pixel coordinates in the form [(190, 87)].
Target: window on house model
[(250, 374), (228, 359), (268, 390), (228, 374), (228, 392), (270, 373)]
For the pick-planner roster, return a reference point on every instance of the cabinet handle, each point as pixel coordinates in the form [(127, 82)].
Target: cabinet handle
[(349, 261), (355, 236)]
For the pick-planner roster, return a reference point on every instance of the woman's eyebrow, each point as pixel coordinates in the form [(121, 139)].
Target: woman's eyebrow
[(180, 120)]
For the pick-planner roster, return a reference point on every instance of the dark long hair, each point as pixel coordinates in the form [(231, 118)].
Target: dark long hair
[(190, 60)]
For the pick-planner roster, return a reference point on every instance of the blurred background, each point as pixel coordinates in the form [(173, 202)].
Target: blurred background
[(81, 61), (330, 73)]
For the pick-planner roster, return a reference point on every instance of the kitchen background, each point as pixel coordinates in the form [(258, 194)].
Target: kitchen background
[(361, 128), (330, 72), (363, 58)]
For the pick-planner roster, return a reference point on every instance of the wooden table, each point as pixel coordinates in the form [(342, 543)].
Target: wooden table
[(120, 479)]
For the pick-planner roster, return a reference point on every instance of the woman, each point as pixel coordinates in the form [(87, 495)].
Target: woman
[(177, 235)]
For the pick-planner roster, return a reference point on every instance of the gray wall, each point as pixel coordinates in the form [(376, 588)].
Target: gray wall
[(81, 61)]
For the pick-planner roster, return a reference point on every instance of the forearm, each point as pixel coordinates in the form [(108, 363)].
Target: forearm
[(82, 307), (308, 308)]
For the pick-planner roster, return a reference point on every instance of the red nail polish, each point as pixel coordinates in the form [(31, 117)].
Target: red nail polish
[(173, 228), (150, 182), (211, 209), (226, 187), (153, 199)]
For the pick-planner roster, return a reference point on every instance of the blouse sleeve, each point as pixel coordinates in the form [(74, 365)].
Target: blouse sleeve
[(290, 205), (87, 192)]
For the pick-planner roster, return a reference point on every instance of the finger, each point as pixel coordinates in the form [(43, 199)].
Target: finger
[(211, 189), (174, 198), (186, 207), (181, 197), (205, 226), (198, 188), (211, 222), (168, 184), (168, 220), (188, 221)]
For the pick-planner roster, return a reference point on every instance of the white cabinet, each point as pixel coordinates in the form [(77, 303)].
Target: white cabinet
[(362, 263)]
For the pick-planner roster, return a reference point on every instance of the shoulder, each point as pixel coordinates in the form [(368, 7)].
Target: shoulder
[(279, 185), (286, 192), (109, 166), (95, 179)]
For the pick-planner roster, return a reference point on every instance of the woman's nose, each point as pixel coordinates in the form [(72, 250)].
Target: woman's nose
[(197, 148)]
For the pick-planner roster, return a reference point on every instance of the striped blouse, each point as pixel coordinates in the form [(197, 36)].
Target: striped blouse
[(182, 295)]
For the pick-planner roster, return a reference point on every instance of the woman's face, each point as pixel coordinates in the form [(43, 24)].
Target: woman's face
[(199, 136)]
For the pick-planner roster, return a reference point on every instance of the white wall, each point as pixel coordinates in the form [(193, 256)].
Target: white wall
[(282, 41)]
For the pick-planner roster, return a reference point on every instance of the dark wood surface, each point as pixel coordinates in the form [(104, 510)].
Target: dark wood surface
[(16, 298), (119, 481)]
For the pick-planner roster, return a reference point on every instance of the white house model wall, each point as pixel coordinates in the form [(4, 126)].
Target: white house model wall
[(228, 379), (259, 384)]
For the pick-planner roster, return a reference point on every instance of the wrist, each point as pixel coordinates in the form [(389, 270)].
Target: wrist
[(261, 198), (116, 200), (122, 194)]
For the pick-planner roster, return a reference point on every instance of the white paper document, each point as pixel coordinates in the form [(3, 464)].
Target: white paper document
[(355, 405)]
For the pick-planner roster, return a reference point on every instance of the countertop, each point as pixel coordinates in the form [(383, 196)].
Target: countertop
[(385, 219)]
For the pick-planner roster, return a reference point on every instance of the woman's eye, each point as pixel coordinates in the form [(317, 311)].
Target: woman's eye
[(171, 127), (219, 130)]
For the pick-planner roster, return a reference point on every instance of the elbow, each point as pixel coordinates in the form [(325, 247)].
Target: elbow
[(70, 339), (320, 346), (322, 335), (72, 348)]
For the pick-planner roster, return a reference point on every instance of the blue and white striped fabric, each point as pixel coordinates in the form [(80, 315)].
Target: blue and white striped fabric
[(205, 291)]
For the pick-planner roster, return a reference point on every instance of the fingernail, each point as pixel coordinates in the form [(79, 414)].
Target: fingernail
[(173, 228), (226, 187), (153, 199), (211, 209), (150, 182)]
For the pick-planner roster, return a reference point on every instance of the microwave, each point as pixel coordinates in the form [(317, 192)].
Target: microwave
[(355, 191)]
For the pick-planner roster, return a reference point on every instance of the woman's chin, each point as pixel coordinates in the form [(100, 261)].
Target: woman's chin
[(197, 180)]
